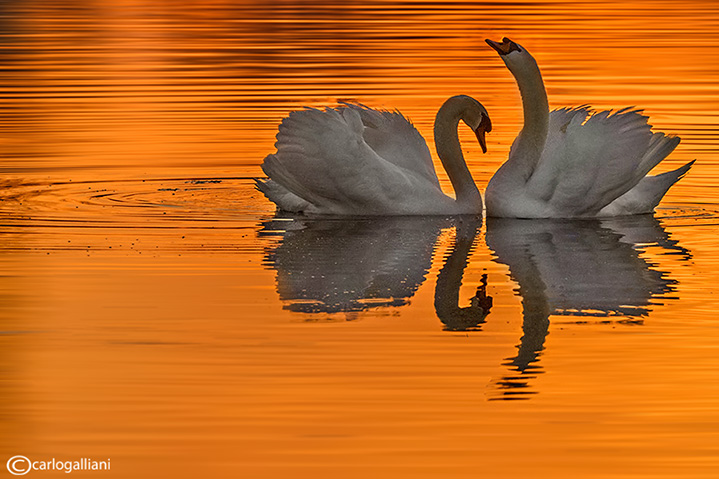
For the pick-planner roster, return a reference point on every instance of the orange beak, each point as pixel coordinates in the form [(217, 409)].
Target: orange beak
[(507, 46), (485, 126)]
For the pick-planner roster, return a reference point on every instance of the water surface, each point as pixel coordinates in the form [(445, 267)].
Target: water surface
[(154, 310)]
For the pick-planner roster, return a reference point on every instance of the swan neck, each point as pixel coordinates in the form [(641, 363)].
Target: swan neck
[(449, 150), (530, 142)]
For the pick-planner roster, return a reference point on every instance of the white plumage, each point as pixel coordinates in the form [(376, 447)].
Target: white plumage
[(574, 162), (353, 160)]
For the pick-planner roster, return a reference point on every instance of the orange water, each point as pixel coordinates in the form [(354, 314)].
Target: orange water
[(155, 311)]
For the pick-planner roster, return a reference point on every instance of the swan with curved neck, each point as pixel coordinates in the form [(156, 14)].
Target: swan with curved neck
[(574, 162), (354, 160)]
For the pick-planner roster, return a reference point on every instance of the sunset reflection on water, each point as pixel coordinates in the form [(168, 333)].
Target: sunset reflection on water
[(157, 312)]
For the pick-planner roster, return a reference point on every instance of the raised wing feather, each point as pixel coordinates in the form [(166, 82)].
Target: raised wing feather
[(394, 138), (323, 158), (591, 158)]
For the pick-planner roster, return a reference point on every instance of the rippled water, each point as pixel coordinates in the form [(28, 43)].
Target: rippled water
[(155, 311)]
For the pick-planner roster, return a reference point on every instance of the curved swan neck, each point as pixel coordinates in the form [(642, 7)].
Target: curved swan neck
[(529, 145), (449, 150)]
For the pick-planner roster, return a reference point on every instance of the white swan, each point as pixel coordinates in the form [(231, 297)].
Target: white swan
[(574, 162), (353, 160)]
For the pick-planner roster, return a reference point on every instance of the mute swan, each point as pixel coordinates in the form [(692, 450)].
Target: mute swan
[(353, 160), (574, 162)]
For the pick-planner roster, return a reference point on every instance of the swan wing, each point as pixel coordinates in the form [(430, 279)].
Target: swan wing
[(592, 158), (393, 137), (323, 159)]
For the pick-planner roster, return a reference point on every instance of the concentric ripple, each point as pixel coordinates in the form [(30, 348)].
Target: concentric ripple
[(118, 214)]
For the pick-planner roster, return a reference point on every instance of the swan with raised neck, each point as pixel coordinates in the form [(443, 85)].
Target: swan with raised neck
[(529, 144), (576, 162)]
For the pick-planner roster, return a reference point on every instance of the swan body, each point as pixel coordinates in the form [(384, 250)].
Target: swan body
[(575, 162), (354, 160)]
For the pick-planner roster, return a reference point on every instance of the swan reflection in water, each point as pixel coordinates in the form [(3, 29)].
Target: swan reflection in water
[(572, 268), (581, 268), (354, 264)]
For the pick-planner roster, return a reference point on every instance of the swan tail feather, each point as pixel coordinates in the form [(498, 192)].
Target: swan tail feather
[(647, 194), (660, 146), (281, 196), (276, 168)]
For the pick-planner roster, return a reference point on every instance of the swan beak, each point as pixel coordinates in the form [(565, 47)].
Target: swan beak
[(507, 46), (480, 132), (485, 126)]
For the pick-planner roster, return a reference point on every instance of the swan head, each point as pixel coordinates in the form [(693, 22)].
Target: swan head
[(475, 116), (514, 55)]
